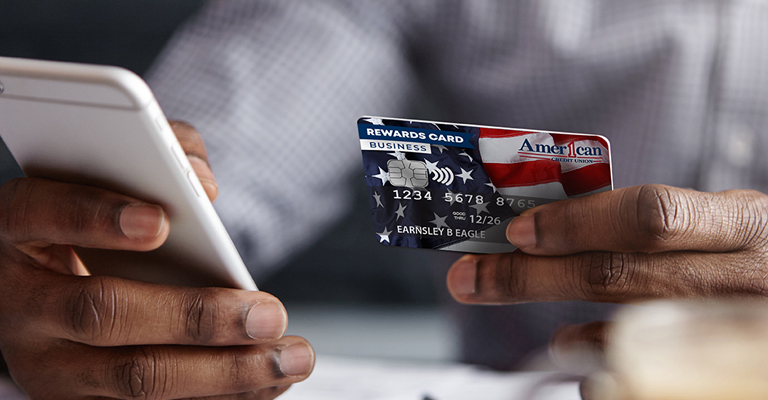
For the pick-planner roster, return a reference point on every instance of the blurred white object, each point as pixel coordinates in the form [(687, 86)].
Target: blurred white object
[(346, 378), (402, 353), (688, 350)]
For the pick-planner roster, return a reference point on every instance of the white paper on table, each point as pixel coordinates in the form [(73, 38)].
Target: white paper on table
[(341, 378)]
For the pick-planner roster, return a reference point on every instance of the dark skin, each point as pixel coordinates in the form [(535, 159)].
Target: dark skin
[(67, 335), (643, 242)]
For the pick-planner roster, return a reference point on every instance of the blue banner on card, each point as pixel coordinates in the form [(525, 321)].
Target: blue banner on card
[(415, 134)]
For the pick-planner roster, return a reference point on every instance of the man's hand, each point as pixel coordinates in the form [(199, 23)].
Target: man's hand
[(641, 242), (73, 337)]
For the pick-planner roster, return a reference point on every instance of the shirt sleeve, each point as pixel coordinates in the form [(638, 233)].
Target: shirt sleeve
[(275, 87)]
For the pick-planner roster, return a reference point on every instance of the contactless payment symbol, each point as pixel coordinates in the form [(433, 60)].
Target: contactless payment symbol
[(443, 175)]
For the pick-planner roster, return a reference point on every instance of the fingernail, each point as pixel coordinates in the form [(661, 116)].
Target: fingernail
[(464, 277), (521, 232), (266, 321), (211, 188), (296, 359), (141, 221)]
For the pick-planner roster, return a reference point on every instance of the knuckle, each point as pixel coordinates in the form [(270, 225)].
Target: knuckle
[(752, 225), (185, 133), (91, 211), (90, 311), (141, 373), (503, 276), (662, 214), (244, 367), (690, 277), (14, 201), (190, 140), (608, 275), (182, 127), (570, 224), (201, 316)]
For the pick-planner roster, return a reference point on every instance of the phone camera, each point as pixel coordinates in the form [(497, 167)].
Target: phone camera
[(1, 88)]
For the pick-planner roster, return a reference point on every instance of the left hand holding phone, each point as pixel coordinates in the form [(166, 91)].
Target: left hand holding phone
[(69, 336)]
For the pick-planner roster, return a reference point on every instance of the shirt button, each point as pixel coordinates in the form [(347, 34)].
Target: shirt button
[(739, 145)]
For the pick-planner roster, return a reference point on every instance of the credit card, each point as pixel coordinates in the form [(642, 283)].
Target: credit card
[(455, 187)]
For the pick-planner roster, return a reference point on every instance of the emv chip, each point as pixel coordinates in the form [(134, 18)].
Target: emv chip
[(408, 173)]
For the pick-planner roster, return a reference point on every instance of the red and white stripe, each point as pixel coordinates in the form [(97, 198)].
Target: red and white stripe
[(517, 172)]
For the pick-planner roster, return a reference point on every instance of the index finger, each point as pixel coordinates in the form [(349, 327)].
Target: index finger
[(648, 218), (36, 210), (108, 311)]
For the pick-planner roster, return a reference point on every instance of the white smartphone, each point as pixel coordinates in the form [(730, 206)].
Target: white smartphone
[(101, 126)]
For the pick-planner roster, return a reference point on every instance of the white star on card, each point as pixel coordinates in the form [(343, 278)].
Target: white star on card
[(440, 147), (400, 211), (398, 154), (384, 236), (479, 208), (439, 221), (378, 200), (464, 153), (492, 186), (466, 175), (384, 176), (374, 121), (431, 166)]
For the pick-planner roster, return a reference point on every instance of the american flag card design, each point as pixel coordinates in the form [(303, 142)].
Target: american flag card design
[(455, 187)]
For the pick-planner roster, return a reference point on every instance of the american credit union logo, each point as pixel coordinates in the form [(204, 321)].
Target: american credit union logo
[(564, 153)]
